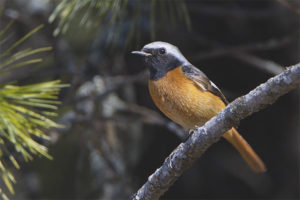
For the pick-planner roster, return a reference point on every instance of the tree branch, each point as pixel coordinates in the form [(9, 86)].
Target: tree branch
[(223, 50), (289, 6), (260, 63), (201, 138)]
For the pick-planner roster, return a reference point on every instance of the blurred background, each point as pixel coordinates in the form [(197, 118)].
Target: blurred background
[(114, 136)]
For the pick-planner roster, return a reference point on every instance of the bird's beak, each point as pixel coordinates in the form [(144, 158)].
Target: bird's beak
[(141, 53)]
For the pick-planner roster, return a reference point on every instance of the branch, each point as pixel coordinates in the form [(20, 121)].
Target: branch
[(289, 6), (201, 138), (221, 50), (152, 117), (241, 52), (260, 63)]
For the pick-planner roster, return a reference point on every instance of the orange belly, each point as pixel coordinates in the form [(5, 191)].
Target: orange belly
[(180, 99)]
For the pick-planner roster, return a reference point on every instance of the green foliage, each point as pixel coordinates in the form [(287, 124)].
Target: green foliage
[(25, 111), (10, 60), (111, 13)]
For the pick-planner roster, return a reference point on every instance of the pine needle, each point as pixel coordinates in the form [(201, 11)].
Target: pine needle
[(25, 111)]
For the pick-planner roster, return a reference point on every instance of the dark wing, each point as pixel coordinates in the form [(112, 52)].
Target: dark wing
[(202, 81)]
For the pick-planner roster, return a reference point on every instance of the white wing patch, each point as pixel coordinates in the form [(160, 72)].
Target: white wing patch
[(201, 85), (214, 86)]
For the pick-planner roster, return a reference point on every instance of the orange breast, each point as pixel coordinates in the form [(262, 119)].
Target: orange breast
[(180, 99)]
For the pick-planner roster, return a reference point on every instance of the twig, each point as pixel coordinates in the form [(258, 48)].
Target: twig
[(111, 85), (151, 116), (265, 65), (260, 46), (241, 52), (289, 6), (120, 81), (201, 138), (233, 12)]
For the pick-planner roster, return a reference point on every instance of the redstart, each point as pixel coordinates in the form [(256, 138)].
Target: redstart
[(186, 95)]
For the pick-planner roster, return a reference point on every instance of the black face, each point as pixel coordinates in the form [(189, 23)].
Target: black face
[(160, 62)]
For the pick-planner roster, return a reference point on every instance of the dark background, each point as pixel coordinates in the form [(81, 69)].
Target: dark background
[(115, 137)]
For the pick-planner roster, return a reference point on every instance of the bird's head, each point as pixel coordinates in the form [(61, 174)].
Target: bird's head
[(161, 57)]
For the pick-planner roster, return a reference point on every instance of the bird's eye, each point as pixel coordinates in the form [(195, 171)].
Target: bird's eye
[(162, 51)]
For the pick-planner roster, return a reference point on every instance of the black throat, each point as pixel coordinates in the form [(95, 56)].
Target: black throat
[(159, 67)]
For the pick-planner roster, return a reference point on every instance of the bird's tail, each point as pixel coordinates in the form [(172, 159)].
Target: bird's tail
[(248, 154)]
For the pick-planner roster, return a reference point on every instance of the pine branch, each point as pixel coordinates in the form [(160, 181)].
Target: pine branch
[(117, 17), (201, 138), (25, 111)]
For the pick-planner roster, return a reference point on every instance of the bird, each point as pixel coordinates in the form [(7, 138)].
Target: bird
[(187, 96)]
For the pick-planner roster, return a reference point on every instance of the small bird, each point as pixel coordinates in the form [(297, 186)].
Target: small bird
[(186, 95)]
